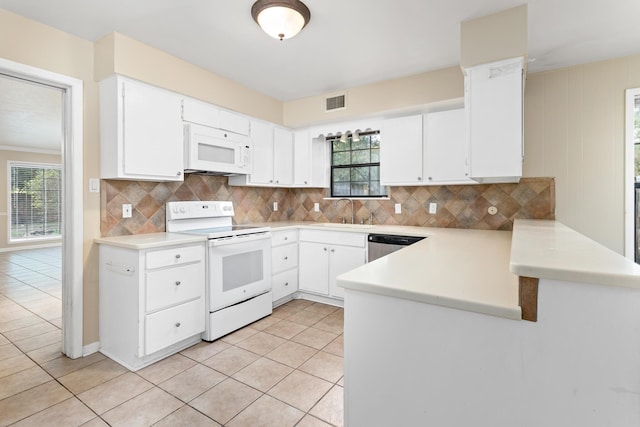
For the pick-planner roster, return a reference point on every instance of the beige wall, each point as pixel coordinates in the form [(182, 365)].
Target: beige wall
[(494, 37), (116, 53), (574, 131), (18, 156), (34, 44), (397, 94)]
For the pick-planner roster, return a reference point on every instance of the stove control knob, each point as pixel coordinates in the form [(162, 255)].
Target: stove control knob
[(182, 210)]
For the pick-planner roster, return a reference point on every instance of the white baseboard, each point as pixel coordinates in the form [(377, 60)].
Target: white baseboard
[(88, 349), (27, 247)]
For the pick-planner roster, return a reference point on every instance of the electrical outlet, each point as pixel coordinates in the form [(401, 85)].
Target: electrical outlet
[(316, 207), (126, 210), (275, 206), (398, 208), (433, 208)]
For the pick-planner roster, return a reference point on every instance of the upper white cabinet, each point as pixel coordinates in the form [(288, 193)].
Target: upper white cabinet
[(494, 106), (401, 151), (445, 149), (140, 131), (273, 157), (282, 156), (310, 160), (194, 111)]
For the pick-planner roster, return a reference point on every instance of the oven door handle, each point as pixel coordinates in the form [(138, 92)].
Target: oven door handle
[(243, 238)]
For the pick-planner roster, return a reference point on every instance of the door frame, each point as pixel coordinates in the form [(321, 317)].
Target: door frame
[(72, 214), (629, 175)]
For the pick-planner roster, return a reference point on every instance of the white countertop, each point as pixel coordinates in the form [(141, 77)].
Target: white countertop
[(150, 240), (462, 269), (551, 250)]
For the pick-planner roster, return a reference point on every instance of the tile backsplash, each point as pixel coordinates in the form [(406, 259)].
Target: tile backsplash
[(458, 206)]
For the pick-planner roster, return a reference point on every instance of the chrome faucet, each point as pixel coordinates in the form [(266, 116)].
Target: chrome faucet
[(352, 213)]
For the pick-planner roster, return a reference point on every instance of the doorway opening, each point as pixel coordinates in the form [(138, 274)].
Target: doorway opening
[(42, 221), (632, 175)]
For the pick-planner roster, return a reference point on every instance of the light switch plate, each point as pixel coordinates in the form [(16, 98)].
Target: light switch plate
[(275, 206), (94, 185), (398, 208), (126, 210), (433, 208), (316, 207)]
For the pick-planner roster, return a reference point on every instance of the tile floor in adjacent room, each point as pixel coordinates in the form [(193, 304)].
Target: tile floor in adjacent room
[(284, 370)]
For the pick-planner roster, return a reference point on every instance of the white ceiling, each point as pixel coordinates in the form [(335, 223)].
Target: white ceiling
[(348, 42), (30, 116)]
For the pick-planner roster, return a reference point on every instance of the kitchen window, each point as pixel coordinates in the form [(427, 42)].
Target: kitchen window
[(35, 201), (355, 165)]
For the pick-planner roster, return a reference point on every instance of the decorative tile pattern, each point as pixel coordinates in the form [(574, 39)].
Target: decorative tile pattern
[(459, 206)]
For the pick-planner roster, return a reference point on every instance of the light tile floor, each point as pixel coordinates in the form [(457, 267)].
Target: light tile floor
[(284, 370)]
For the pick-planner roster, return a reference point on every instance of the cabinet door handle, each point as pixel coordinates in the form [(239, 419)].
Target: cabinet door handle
[(419, 178), (286, 258), (177, 256), (177, 324), (179, 173), (430, 178), (333, 250), (325, 249), (286, 283), (286, 238), (178, 282)]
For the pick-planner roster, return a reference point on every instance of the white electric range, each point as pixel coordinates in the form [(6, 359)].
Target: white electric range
[(238, 264)]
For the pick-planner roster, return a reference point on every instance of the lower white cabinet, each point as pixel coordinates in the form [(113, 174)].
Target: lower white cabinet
[(284, 263), (324, 255), (151, 302)]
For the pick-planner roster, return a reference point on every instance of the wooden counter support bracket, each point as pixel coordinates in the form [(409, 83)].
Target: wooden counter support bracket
[(528, 298)]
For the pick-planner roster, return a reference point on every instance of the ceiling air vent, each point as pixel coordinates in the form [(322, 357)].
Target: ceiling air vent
[(338, 102)]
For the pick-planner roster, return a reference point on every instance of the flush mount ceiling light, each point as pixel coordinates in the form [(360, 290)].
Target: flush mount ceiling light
[(281, 19)]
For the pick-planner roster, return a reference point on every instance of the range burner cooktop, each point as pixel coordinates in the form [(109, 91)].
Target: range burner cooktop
[(213, 219)]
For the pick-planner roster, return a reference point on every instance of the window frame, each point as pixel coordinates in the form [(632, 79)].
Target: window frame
[(34, 165), (384, 189)]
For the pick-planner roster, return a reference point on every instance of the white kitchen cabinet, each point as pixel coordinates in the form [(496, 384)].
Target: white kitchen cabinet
[(445, 148), (284, 263), (273, 157), (282, 157), (141, 136), (311, 167), (401, 151), (324, 255), (494, 107), (194, 111), (151, 302)]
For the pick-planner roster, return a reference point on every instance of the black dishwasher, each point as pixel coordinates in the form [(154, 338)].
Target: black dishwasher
[(383, 244)]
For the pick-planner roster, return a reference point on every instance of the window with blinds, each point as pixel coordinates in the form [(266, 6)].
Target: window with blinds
[(355, 165), (36, 201)]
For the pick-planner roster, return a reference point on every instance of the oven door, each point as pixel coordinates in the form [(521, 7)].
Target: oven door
[(239, 269)]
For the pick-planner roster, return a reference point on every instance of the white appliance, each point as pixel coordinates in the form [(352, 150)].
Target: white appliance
[(238, 259), (215, 151)]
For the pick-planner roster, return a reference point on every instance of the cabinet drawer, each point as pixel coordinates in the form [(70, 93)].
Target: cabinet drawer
[(284, 258), (284, 284), (174, 256), (174, 286), (283, 237), (172, 325), (334, 238)]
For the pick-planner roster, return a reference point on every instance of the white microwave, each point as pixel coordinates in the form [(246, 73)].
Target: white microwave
[(215, 151)]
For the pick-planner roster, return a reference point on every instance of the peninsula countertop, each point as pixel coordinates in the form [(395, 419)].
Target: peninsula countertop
[(547, 249), (462, 269)]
